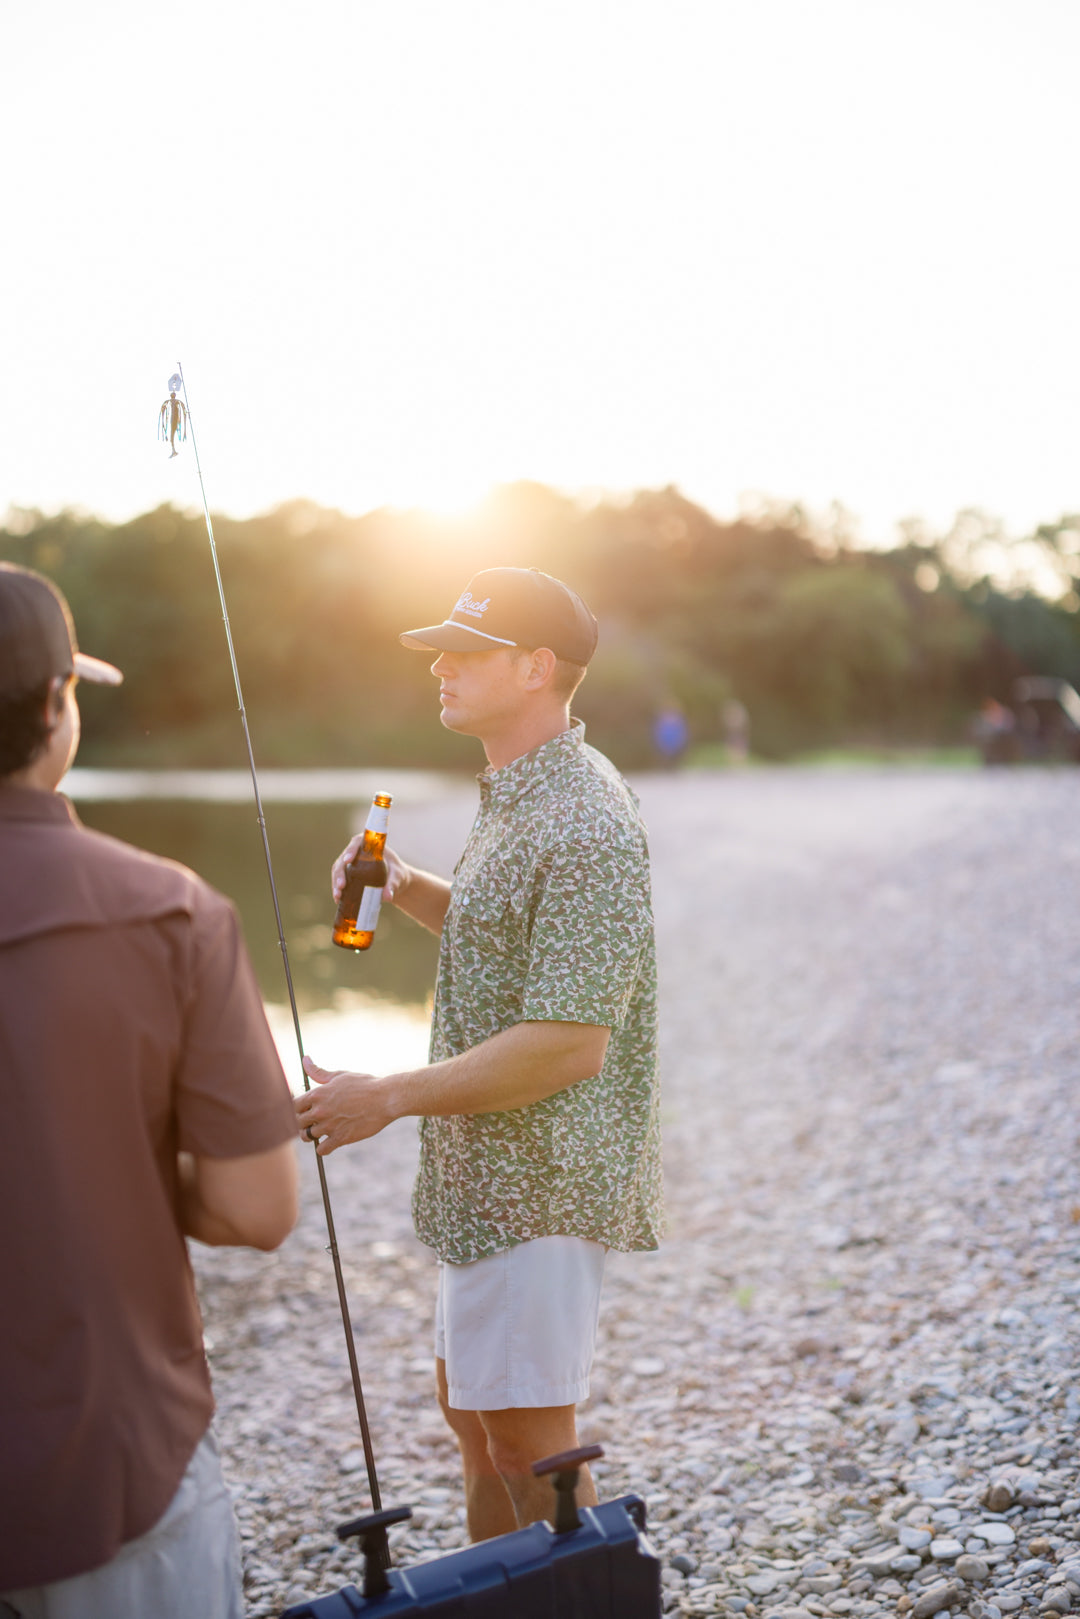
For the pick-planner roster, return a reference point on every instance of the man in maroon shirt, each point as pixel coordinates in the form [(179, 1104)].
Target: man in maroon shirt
[(144, 1103)]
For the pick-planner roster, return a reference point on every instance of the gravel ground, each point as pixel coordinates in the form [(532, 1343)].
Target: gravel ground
[(848, 1383)]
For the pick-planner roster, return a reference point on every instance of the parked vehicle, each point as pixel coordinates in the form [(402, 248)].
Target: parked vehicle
[(1042, 722)]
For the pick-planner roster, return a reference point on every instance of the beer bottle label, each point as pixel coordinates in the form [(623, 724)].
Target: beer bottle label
[(368, 914)]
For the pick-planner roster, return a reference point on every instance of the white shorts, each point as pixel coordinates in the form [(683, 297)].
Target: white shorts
[(188, 1563), (519, 1328)]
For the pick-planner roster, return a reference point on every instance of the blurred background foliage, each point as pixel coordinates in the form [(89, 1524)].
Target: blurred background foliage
[(824, 642)]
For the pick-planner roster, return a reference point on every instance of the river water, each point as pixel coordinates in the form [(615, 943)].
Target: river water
[(361, 1010)]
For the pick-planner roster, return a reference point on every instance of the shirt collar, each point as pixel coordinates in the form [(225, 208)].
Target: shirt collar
[(35, 804), (500, 788)]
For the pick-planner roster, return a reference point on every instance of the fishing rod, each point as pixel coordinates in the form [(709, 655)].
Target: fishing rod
[(174, 422)]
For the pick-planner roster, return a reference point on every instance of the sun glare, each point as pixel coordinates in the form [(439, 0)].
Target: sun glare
[(443, 493)]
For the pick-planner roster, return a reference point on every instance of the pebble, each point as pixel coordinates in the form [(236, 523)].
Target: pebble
[(945, 1549), (997, 1534), (937, 1598), (877, 1565), (972, 1568), (860, 1094), (762, 1584)]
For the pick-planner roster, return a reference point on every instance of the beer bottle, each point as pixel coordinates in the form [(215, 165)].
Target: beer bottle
[(365, 878)]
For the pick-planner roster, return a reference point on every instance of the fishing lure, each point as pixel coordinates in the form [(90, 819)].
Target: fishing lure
[(173, 415)]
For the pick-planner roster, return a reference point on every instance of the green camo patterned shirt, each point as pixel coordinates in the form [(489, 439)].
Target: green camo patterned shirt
[(550, 918)]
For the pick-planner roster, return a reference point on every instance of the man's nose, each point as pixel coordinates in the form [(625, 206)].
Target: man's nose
[(441, 666)]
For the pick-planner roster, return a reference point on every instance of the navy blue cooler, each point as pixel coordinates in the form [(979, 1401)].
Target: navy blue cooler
[(595, 1563)]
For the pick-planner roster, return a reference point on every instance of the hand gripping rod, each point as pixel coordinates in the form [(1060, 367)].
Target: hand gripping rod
[(350, 1342)]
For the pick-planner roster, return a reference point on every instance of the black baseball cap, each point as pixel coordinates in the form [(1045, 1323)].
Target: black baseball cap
[(513, 607), (37, 636)]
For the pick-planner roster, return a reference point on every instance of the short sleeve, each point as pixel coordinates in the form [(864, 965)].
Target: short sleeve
[(591, 925), (231, 1096)]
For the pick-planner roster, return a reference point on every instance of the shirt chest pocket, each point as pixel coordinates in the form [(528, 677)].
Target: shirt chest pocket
[(494, 904)]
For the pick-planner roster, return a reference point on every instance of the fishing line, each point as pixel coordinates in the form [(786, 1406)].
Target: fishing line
[(350, 1343)]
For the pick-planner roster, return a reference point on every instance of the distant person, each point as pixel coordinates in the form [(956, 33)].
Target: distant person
[(144, 1103), (995, 731), (736, 722), (671, 735), (539, 1136)]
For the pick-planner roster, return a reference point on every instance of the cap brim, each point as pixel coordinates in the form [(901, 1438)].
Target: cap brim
[(449, 637), (97, 671)]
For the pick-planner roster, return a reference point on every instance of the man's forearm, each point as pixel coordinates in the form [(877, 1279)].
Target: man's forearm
[(512, 1069), (247, 1202), (196, 1220), (520, 1065), (424, 897)]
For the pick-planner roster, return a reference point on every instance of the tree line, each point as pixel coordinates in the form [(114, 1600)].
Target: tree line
[(824, 642)]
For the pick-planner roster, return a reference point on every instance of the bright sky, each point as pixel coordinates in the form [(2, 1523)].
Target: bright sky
[(405, 248)]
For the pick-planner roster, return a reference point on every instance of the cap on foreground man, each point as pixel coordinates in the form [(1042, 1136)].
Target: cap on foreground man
[(539, 1134), (144, 1102)]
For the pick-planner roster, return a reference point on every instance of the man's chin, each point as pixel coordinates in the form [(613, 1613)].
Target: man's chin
[(450, 723)]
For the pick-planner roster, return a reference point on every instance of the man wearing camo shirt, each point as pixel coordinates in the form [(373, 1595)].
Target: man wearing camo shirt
[(539, 1110)]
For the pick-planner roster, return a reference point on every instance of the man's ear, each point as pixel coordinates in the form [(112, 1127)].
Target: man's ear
[(54, 702), (541, 667)]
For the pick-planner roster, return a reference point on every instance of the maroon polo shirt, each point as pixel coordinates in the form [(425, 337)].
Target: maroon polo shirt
[(130, 1029)]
